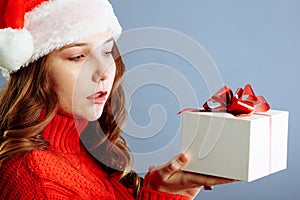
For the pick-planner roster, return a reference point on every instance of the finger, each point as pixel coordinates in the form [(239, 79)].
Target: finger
[(213, 180), (191, 192), (194, 179), (151, 168), (208, 187), (176, 164)]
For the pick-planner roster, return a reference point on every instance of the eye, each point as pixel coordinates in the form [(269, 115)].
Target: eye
[(77, 58), (107, 53)]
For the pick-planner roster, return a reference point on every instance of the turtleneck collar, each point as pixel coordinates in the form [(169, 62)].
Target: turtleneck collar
[(63, 132)]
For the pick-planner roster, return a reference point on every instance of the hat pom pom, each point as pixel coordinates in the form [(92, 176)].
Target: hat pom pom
[(16, 48)]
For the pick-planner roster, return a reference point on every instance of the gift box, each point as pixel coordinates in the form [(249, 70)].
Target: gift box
[(241, 148), (238, 146)]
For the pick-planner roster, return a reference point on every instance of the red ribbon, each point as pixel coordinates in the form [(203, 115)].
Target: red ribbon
[(242, 102)]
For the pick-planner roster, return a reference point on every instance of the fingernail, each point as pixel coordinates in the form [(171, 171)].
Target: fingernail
[(181, 159), (151, 168), (176, 165), (207, 187)]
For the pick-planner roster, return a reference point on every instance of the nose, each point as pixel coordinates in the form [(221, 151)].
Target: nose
[(100, 74), (102, 70), (99, 77)]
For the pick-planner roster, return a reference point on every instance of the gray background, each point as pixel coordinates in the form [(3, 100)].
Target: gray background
[(253, 42)]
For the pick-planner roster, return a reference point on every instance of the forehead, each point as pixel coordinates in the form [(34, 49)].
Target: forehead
[(93, 41)]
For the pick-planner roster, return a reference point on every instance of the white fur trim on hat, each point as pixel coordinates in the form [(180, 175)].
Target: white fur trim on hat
[(60, 22), (16, 48), (53, 24)]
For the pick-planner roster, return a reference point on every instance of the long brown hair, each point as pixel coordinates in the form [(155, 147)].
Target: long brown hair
[(21, 101), (29, 90)]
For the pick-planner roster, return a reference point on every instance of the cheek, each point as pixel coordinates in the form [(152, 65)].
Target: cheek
[(63, 84), (112, 73), (112, 79)]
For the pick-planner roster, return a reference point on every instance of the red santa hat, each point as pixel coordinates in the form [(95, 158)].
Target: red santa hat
[(32, 29)]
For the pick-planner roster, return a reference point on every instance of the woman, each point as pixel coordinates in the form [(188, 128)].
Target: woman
[(65, 85)]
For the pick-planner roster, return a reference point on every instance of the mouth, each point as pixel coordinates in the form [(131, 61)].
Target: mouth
[(98, 97)]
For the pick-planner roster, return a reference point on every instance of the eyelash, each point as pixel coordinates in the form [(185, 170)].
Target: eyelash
[(109, 52), (78, 58)]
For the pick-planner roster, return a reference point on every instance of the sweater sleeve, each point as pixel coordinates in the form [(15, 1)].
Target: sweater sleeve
[(17, 182), (149, 194)]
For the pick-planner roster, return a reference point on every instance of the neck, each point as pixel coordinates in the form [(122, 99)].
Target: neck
[(63, 132)]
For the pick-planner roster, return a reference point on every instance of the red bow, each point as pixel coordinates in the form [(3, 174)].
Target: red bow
[(242, 102)]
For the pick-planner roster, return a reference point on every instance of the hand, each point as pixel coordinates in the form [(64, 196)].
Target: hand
[(171, 179)]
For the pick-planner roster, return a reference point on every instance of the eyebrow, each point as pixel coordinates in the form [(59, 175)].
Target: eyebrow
[(108, 40), (73, 45), (83, 44)]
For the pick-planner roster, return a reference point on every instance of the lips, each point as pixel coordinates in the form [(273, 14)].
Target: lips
[(98, 97)]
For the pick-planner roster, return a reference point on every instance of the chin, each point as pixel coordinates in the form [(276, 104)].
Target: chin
[(93, 115)]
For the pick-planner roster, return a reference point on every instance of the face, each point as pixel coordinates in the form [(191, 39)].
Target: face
[(82, 75)]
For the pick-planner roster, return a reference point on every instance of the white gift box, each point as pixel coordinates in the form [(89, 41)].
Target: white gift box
[(242, 148)]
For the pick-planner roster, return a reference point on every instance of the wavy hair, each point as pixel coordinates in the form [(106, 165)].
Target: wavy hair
[(29, 90)]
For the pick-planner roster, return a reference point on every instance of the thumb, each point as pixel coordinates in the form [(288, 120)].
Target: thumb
[(176, 164)]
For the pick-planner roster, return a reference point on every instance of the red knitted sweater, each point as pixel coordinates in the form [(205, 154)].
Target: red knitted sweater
[(64, 171)]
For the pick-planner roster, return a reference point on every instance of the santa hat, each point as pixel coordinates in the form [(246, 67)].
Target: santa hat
[(32, 29)]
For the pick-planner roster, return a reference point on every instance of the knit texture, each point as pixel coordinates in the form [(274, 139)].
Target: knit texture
[(65, 170)]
